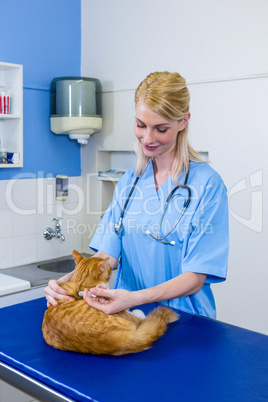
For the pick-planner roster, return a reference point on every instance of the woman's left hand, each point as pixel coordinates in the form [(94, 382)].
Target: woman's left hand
[(109, 301)]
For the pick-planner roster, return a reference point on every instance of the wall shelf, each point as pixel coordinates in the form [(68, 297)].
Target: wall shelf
[(108, 178), (9, 116), (11, 125), (115, 160)]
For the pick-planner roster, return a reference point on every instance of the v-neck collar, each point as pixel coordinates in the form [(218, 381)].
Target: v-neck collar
[(164, 189)]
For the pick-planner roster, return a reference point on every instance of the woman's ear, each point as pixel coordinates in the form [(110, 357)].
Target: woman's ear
[(184, 121)]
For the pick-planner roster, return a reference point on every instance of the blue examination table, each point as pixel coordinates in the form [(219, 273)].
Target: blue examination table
[(197, 360)]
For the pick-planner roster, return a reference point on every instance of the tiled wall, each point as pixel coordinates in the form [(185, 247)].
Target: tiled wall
[(27, 207)]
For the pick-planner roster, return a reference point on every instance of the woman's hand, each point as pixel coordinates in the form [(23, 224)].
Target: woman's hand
[(53, 292), (109, 301)]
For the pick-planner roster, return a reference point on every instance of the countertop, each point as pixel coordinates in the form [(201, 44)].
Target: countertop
[(35, 275)]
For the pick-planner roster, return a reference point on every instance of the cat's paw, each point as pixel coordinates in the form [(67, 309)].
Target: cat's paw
[(138, 313)]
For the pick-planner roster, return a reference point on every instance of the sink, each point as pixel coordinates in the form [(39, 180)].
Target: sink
[(63, 266)]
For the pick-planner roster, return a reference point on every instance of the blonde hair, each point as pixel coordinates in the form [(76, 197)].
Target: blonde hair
[(168, 96)]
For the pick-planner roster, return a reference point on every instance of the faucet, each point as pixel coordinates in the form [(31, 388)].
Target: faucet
[(49, 233)]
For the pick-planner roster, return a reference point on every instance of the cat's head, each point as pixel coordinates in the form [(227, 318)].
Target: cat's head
[(88, 273), (92, 268)]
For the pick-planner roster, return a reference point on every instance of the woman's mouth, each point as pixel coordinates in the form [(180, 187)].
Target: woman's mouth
[(150, 148)]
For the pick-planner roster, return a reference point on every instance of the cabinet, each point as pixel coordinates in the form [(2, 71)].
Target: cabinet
[(11, 125)]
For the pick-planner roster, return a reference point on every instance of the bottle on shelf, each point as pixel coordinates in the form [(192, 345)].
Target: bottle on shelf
[(3, 154), (5, 100)]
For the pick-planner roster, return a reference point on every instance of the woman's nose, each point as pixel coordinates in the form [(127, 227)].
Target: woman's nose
[(148, 135)]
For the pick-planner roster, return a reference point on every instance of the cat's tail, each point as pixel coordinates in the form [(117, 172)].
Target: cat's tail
[(151, 328)]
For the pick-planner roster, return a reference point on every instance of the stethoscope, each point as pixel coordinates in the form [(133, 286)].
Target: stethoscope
[(118, 227)]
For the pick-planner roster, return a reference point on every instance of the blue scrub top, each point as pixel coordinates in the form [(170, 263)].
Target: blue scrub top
[(201, 237)]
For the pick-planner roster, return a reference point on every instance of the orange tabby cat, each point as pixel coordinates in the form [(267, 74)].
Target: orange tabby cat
[(75, 326)]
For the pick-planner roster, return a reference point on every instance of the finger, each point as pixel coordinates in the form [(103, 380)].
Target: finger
[(56, 288), (102, 286), (102, 300), (101, 292), (52, 297), (88, 296), (51, 302), (54, 293), (95, 302)]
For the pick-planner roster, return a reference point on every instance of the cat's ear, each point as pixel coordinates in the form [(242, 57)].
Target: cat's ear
[(102, 264), (77, 256)]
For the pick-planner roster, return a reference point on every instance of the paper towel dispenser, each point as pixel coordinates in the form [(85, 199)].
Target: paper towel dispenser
[(76, 107)]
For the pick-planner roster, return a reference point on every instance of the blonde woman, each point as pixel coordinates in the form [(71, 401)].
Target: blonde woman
[(168, 222)]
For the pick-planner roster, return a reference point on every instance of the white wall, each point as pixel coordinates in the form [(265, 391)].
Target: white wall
[(212, 44), (123, 40)]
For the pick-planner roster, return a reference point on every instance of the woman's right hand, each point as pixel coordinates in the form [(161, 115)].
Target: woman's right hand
[(55, 292)]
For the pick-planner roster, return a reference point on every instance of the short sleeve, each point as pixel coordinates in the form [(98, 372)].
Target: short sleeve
[(208, 242)]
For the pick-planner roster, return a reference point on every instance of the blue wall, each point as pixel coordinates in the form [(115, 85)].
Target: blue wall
[(45, 37)]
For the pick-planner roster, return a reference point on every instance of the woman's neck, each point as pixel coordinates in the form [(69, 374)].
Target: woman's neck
[(162, 164), (162, 170)]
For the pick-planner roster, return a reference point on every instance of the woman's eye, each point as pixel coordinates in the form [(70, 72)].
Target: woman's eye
[(162, 130), (140, 125)]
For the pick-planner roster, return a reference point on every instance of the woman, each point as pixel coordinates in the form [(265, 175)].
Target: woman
[(169, 250)]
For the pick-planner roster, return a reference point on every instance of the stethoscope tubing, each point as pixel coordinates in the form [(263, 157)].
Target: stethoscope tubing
[(118, 227), (186, 204)]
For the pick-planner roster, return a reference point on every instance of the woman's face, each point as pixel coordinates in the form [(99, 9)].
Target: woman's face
[(156, 134)]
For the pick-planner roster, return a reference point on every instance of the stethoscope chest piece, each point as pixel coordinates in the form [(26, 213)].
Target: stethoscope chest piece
[(172, 242), (118, 227)]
